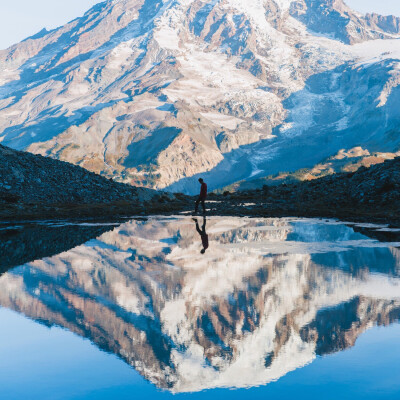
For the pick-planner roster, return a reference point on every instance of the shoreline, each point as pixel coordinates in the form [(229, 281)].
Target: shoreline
[(216, 207), (40, 239)]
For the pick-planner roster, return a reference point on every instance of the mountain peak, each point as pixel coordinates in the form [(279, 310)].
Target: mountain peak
[(156, 93)]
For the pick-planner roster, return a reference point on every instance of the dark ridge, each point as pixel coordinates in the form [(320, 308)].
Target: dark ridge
[(30, 178), (37, 187), (22, 244), (370, 194)]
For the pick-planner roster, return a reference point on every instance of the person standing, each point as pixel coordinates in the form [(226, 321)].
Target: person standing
[(202, 196)]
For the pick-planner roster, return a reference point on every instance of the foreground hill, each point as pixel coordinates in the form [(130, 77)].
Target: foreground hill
[(371, 194), (156, 92), (34, 185)]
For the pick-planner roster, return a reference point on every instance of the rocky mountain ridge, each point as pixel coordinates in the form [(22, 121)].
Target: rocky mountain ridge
[(127, 90), (334, 17)]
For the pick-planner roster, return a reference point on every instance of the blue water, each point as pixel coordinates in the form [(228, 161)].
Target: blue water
[(38, 362), (56, 344)]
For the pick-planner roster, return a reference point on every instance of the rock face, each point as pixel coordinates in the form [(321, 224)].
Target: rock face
[(30, 179), (333, 17), (390, 24), (266, 298), (156, 93)]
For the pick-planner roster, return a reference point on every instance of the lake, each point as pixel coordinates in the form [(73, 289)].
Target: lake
[(176, 308)]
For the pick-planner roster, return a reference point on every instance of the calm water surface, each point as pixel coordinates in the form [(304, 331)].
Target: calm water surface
[(171, 308)]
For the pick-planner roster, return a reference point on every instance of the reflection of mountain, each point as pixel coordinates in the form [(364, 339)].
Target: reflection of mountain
[(258, 304)]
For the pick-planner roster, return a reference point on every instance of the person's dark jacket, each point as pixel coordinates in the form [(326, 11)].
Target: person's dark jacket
[(203, 191)]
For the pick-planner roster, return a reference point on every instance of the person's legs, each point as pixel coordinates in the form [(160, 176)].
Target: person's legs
[(203, 205), (197, 205), (197, 226)]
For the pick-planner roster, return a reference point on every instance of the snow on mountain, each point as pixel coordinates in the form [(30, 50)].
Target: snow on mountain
[(250, 310), (157, 92)]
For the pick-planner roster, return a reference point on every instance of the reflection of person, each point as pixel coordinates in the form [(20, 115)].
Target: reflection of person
[(202, 196), (202, 232)]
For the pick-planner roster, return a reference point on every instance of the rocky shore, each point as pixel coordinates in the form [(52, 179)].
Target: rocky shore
[(36, 187), (369, 194)]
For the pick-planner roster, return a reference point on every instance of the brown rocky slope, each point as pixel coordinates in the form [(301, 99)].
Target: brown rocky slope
[(33, 186), (369, 194)]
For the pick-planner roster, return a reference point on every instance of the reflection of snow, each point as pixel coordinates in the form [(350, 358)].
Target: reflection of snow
[(260, 281)]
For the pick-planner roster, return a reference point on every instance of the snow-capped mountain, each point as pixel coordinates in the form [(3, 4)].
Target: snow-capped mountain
[(251, 309), (156, 92)]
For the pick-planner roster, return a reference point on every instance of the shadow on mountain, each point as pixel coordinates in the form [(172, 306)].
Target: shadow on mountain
[(50, 125), (145, 151), (22, 244)]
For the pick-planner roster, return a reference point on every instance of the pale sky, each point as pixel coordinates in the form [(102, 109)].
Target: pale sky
[(384, 7), (22, 18)]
